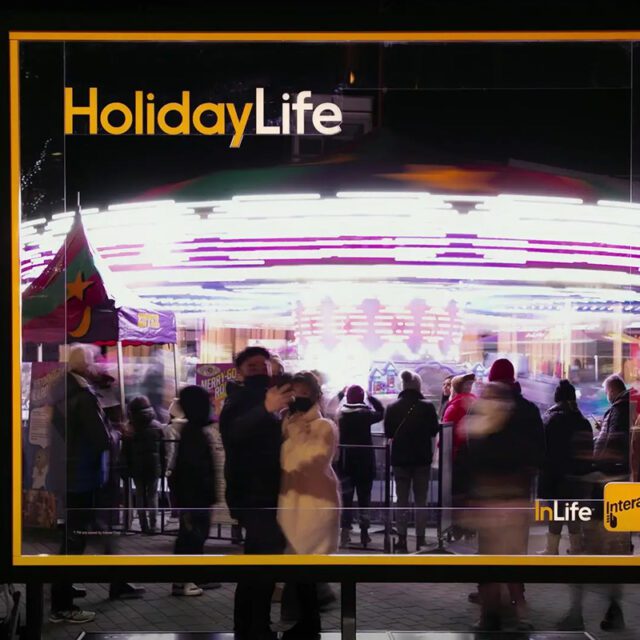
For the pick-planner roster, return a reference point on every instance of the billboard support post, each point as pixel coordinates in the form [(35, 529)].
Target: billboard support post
[(34, 610), (348, 610)]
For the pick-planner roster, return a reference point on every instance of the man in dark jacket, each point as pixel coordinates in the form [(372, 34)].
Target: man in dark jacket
[(611, 462), (251, 432), (611, 446), (357, 465), (410, 423), (569, 457), (81, 423)]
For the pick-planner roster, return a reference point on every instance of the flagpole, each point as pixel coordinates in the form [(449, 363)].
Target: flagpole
[(127, 482), (175, 365), (121, 379)]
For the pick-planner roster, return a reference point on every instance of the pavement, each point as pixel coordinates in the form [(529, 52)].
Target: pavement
[(400, 607)]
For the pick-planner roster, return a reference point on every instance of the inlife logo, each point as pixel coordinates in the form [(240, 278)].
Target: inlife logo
[(144, 116), (561, 511)]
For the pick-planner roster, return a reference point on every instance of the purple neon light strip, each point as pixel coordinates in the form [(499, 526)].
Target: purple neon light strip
[(469, 236), (355, 246), (361, 241), (390, 261)]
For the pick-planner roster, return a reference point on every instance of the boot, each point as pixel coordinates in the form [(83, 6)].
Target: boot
[(401, 544), (522, 616), (125, 591), (326, 597), (420, 542), (289, 603), (345, 536), (613, 618), (365, 538), (303, 630), (575, 544), (488, 622), (573, 621), (553, 544), (308, 625)]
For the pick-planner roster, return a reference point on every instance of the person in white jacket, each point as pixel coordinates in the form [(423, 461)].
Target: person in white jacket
[(309, 500)]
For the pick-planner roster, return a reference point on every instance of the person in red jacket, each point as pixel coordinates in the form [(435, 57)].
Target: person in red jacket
[(458, 406)]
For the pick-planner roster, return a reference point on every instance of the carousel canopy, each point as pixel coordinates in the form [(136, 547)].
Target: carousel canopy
[(75, 299), (382, 160)]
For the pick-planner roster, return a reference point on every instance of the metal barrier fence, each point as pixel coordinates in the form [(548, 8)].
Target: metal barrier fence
[(381, 507)]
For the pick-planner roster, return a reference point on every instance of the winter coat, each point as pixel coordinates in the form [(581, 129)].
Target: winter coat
[(411, 422), (355, 422), (611, 447), (251, 437), (144, 448), (81, 423), (569, 450), (171, 436), (505, 447), (309, 501), (193, 481), (456, 409)]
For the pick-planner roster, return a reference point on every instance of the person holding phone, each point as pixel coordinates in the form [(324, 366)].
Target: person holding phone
[(251, 430), (309, 504)]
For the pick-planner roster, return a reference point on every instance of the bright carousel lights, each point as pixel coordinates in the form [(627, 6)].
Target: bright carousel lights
[(403, 240)]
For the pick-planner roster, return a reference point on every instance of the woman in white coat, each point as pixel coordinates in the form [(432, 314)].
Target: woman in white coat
[(309, 502)]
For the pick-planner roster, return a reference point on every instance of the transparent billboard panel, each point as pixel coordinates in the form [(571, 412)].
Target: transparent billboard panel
[(244, 334)]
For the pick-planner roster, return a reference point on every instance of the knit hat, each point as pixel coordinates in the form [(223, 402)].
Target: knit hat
[(196, 405), (355, 394), (411, 380), (565, 392), (458, 382), (502, 371)]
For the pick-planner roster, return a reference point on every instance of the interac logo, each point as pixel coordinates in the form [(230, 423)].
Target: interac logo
[(561, 511), (622, 506)]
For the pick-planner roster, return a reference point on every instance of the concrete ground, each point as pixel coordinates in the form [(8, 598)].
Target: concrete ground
[(410, 607)]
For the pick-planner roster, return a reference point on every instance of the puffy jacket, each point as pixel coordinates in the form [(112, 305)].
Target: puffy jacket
[(505, 458), (252, 438), (354, 423), (455, 411), (144, 450), (411, 422), (611, 447), (81, 423), (569, 449), (193, 481)]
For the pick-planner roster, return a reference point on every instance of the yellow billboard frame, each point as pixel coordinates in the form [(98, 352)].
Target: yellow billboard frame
[(15, 38)]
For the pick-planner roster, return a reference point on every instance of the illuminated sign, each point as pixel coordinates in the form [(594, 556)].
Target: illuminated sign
[(148, 320), (622, 506), (142, 119)]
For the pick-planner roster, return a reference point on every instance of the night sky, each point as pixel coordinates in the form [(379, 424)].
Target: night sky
[(564, 105)]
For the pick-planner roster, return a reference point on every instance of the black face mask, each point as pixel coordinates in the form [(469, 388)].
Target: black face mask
[(301, 405), (257, 382)]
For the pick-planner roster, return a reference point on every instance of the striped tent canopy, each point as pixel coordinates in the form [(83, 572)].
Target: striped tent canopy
[(76, 299)]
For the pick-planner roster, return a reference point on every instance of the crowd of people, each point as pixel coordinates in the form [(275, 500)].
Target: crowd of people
[(294, 462)]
